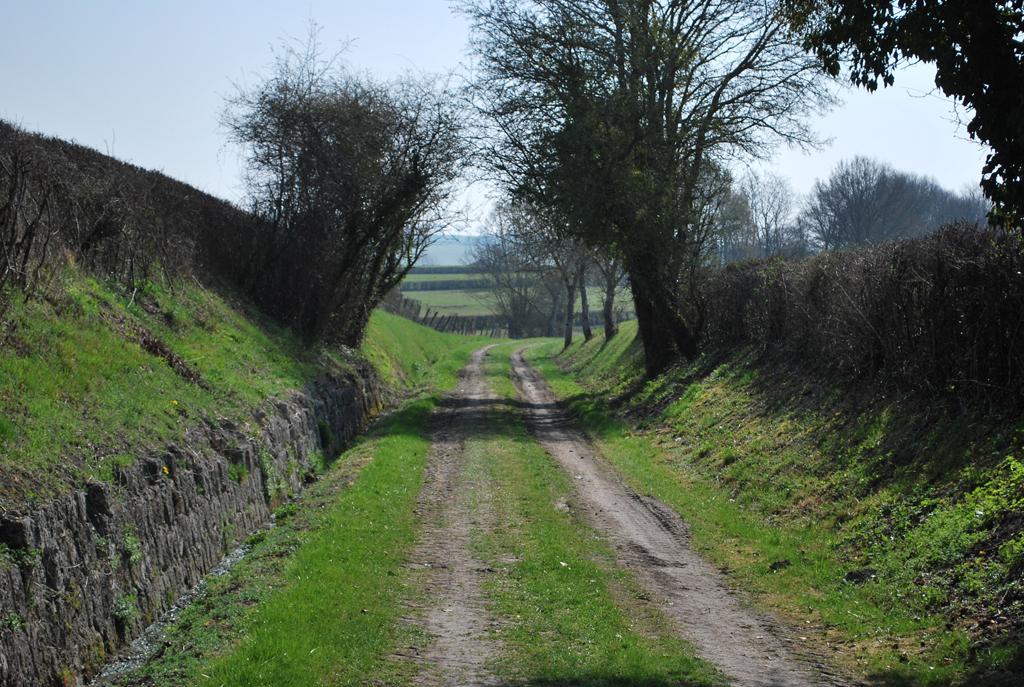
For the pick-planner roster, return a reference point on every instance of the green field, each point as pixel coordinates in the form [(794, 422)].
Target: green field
[(461, 276), (461, 302), (473, 302)]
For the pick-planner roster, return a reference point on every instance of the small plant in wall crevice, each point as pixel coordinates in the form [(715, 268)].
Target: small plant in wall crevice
[(125, 610)]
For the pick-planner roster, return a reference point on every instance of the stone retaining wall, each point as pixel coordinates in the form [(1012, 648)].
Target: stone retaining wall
[(88, 572)]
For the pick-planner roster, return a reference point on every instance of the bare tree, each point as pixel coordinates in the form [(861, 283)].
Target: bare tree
[(571, 259), (610, 112), (867, 201), (969, 205), (771, 209), (352, 181), (734, 236), (612, 275), (522, 286), (557, 252), (24, 233)]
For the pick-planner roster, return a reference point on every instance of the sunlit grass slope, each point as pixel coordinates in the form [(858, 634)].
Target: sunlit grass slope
[(87, 383), (773, 465), (319, 599), (416, 356)]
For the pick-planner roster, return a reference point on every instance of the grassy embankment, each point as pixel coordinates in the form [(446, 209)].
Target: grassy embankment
[(87, 384), (771, 464), (317, 599)]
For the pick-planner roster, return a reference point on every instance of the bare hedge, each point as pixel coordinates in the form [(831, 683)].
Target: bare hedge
[(940, 312), (63, 201)]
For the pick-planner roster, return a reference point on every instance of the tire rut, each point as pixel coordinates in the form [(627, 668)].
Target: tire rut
[(455, 616), (652, 540)]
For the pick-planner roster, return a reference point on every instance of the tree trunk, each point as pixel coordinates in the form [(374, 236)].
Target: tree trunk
[(666, 335), (556, 301), (570, 307), (355, 329), (611, 328), (584, 306)]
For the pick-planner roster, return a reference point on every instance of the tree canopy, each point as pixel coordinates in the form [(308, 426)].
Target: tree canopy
[(615, 114), (351, 180)]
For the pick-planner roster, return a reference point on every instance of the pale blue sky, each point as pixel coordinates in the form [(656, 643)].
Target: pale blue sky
[(146, 81)]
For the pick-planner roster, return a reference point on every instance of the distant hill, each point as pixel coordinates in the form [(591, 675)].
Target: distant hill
[(450, 250)]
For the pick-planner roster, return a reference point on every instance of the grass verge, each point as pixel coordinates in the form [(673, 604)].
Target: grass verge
[(92, 376), (414, 356), (770, 466), (332, 620)]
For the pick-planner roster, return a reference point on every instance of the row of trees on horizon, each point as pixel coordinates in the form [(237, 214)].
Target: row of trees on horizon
[(863, 201), (534, 275)]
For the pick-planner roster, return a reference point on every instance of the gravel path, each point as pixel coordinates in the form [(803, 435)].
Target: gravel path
[(649, 538)]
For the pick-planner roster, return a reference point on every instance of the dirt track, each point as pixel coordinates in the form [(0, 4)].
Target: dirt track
[(653, 541), (649, 537), (455, 615)]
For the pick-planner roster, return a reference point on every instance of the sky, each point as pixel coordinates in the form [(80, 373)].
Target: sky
[(146, 82)]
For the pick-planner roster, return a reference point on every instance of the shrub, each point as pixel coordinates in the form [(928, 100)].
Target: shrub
[(132, 546), (71, 204), (238, 472), (940, 312), (273, 482)]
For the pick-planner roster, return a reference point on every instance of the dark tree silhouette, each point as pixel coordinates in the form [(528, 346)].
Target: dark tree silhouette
[(351, 180), (610, 113)]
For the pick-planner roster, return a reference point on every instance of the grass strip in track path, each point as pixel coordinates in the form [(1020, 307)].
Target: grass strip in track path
[(653, 541), (333, 620), (445, 599), (567, 615)]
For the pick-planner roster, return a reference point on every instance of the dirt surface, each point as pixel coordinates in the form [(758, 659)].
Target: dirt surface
[(653, 541), (455, 616)]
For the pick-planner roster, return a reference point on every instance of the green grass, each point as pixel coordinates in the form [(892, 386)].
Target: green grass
[(317, 601), (567, 613), (333, 620), (80, 396), (453, 276), (769, 464), (461, 302), (412, 355), (292, 611)]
